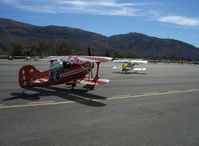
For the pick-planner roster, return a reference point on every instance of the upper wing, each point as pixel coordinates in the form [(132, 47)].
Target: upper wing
[(121, 61), (136, 61), (78, 58), (54, 58), (94, 58)]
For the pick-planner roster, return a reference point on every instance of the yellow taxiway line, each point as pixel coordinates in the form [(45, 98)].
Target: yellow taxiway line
[(52, 102), (35, 104), (41, 102), (154, 94)]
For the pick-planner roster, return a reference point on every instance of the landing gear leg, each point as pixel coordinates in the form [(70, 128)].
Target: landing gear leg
[(72, 87)]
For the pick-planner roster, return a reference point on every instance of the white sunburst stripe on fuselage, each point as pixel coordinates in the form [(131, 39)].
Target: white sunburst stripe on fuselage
[(72, 72)]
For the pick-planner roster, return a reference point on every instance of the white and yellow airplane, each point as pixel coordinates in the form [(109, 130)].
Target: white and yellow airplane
[(129, 64)]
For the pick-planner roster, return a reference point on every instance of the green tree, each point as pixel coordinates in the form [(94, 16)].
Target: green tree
[(40, 48), (131, 54), (64, 48), (43, 47), (108, 53), (27, 52), (17, 49)]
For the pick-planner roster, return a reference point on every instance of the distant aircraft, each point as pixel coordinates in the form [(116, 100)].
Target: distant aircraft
[(129, 64), (10, 57), (27, 58), (70, 70)]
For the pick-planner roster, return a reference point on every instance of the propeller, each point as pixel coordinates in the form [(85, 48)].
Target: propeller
[(89, 51), (89, 54)]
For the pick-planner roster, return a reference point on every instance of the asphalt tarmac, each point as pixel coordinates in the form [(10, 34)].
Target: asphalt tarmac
[(159, 106)]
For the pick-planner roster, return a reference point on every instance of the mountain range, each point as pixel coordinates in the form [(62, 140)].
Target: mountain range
[(12, 32)]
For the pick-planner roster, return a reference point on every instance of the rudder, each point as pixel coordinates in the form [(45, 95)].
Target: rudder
[(26, 75)]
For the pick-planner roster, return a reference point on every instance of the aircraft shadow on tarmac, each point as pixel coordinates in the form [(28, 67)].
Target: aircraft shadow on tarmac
[(136, 73), (77, 95)]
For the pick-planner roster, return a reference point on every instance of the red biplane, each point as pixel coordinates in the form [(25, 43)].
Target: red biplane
[(70, 70)]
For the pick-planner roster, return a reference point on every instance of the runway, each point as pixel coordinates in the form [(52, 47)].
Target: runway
[(159, 106)]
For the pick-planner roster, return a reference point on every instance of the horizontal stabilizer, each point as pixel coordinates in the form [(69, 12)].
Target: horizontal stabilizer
[(117, 67), (40, 80)]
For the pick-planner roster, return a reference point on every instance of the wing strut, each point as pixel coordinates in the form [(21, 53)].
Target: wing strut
[(51, 63), (97, 72), (91, 83)]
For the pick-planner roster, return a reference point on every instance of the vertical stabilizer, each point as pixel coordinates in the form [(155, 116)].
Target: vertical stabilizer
[(26, 75)]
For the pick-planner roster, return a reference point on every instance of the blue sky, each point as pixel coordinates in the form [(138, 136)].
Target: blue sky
[(175, 19)]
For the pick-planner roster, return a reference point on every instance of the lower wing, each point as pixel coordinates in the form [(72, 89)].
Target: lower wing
[(139, 69)]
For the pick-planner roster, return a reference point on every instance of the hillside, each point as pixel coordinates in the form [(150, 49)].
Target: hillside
[(54, 40), (154, 47), (29, 35)]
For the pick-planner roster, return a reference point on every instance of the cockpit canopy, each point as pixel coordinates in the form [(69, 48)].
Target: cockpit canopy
[(60, 65)]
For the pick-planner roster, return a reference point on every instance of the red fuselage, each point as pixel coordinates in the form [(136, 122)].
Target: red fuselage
[(29, 76)]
